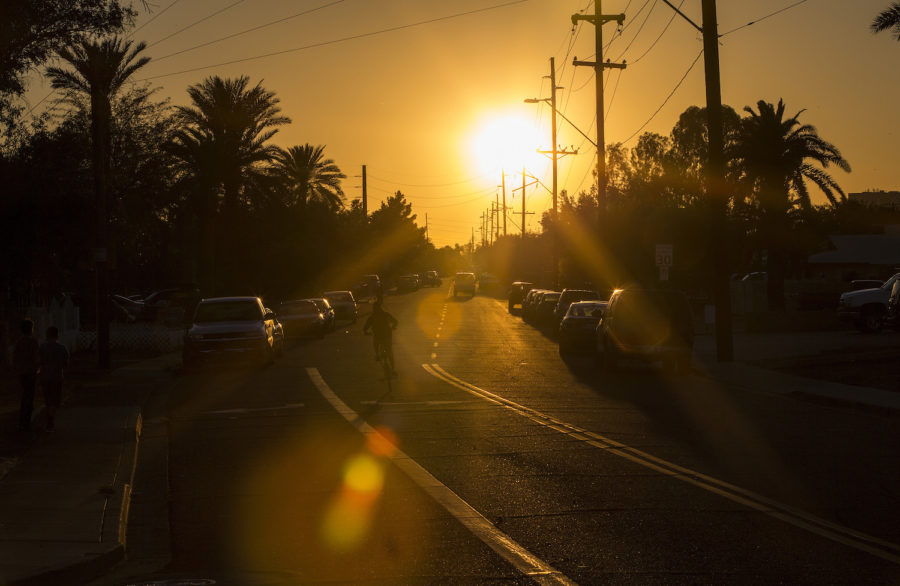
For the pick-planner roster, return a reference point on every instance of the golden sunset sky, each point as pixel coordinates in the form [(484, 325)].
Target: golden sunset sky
[(415, 89)]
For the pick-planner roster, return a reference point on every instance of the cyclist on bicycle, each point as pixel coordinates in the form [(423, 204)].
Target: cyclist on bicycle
[(382, 325)]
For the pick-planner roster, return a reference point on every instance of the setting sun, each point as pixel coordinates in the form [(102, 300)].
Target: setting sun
[(509, 141)]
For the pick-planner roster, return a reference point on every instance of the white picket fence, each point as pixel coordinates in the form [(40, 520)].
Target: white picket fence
[(123, 336)]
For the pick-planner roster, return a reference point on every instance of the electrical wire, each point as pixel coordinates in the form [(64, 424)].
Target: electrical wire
[(470, 180), (341, 40), (668, 24), (205, 18), (762, 18), (672, 93), (613, 96), (246, 31), (638, 33), (157, 15)]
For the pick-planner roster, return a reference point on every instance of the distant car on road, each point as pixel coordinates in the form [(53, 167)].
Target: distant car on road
[(407, 283), (529, 303), (517, 292), (301, 317), (543, 311), (230, 327), (867, 309), (648, 325), (431, 279), (464, 283), (577, 329), (344, 305)]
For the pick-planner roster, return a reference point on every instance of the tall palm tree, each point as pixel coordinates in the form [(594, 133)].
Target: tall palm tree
[(310, 177), (237, 120), (777, 156), (888, 19), (222, 146), (99, 69)]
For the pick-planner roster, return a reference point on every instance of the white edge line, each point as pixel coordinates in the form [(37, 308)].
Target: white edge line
[(786, 513), (505, 546)]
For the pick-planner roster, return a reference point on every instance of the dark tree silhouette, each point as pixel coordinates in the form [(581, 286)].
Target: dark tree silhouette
[(99, 69), (777, 156), (310, 177), (888, 19)]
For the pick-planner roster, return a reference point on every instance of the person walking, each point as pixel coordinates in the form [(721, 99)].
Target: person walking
[(54, 359), (26, 361)]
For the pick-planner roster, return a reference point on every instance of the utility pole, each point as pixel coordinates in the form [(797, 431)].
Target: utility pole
[(554, 155), (503, 185), (364, 194), (426, 228), (523, 212), (718, 193), (598, 20), (716, 190), (497, 208)]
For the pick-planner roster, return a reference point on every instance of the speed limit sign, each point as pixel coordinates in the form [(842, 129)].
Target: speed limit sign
[(664, 255)]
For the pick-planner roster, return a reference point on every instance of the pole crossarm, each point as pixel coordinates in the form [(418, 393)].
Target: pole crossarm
[(602, 18), (607, 65)]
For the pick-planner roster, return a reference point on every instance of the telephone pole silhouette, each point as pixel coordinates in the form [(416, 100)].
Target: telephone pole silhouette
[(598, 20), (523, 213)]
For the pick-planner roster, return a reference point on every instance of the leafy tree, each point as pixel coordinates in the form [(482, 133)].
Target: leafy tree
[(31, 31), (777, 155), (888, 19), (309, 176), (99, 69)]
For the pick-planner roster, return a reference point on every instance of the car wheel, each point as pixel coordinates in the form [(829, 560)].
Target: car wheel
[(871, 320), (510, 307)]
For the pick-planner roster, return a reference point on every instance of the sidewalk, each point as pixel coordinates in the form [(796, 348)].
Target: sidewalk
[(757, 357), (64, 503)]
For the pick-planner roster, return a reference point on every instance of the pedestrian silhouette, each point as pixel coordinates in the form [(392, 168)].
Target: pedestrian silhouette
[(26, 361), (54, 359)]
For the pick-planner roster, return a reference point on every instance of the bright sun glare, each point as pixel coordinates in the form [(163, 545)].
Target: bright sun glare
[(507, 142)]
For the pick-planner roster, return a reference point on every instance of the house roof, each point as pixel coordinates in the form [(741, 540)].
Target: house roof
[(870, 249)]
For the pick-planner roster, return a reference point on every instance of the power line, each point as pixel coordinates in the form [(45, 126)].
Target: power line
[(672, 93), (157, 15), (762, 18), (341, 40), (205, 18), (421, 184), (638, 33), (668, 24), (249, 30)]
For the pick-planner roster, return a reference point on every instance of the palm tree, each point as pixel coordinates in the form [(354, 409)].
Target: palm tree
[(309, 177), (222, 148), (889, 18), (99, 69), (777, 156)]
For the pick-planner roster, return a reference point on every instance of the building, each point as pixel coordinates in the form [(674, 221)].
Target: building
[(887, 199)]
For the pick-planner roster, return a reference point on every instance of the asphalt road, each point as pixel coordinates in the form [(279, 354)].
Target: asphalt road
[(506, 464)]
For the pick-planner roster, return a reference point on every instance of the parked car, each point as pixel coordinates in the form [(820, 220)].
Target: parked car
[(302, 318), (464, 283), (230, 327), (174, 305), (649, 325), (344, 304), (543, 311), (407, 283), (529, 303), (125, 309), (867, 309), (326, 310), (517, 292), (577, 328), (369, 287), (566, 298), (431, 279)]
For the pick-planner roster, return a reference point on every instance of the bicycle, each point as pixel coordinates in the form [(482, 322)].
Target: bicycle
[(385, 355)]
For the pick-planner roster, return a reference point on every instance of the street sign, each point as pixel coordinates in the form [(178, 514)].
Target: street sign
[(664, 255)]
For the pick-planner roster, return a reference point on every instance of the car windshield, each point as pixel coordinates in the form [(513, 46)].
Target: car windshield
[(585, 309), (298, 308), (228, 311), (339, 297), (465, 277)]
